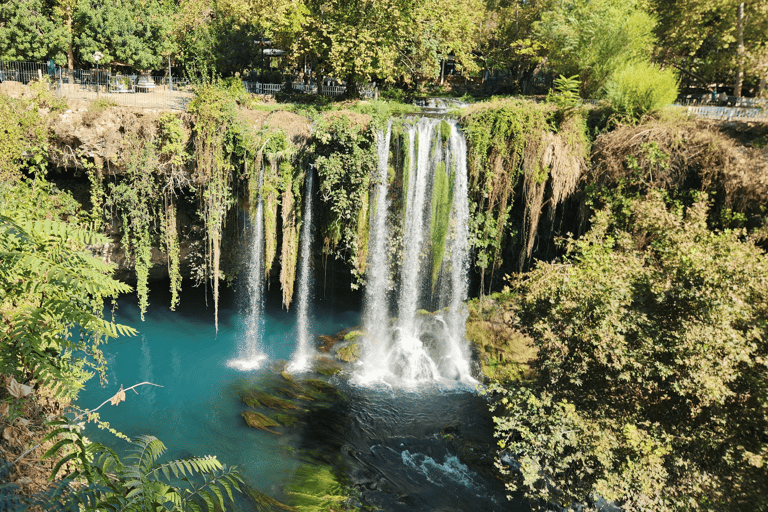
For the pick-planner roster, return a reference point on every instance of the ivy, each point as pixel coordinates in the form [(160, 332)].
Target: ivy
[(498, 136), (136, 199)]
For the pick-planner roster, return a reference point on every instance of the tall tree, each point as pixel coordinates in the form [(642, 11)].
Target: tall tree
[(592, 38), (133, 32), (390, 40), (28, 32), (702, 38)]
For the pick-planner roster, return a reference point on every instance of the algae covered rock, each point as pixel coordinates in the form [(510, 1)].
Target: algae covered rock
[(261, 399), (349, 353)]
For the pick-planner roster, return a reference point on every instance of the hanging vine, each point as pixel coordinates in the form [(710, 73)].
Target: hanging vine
[(345, 159), (171, 145), (134, 198), (215, 109)]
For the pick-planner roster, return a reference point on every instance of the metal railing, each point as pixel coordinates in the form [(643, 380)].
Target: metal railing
[(25, 72), (129, 90), (744, 114), (91, 84), (138, 90)]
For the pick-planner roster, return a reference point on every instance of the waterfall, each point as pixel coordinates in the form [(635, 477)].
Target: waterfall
[(420, 347), (300, 360), (413, 246), (251, 355), (458, 355), (376, 300)]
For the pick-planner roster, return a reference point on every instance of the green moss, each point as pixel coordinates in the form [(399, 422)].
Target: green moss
[(349, 353), (315, 488), (287, 419), (323, 388), (261, 399), (352, 335), (264, 503), (442, 202), (445, 131), (259, 421), (504, 353)]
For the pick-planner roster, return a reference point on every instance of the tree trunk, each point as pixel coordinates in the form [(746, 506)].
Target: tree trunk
[(70, 51), (739, 50)]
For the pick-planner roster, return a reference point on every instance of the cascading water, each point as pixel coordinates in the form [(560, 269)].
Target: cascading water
[(376, 303), (420, 347), (300, 360), (251, 355)]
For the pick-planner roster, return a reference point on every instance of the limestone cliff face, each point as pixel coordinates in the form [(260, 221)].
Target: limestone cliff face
[(87, 136), (101, 135), (97, 138)]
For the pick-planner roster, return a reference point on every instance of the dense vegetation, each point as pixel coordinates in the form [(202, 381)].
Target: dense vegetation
[(401, 42), (650, 383)]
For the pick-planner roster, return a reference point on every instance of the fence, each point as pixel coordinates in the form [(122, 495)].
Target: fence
[(91, 84), (743, 114)]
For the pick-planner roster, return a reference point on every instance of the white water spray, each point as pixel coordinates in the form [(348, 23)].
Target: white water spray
[(422, 348), (376, 302), (301, 358), (251, 356)]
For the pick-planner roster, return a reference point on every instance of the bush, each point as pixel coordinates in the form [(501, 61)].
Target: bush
[(637, 89), (650, 386)]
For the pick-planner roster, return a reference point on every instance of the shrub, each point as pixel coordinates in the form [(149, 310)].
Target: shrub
[(650, 386), (639, 88)]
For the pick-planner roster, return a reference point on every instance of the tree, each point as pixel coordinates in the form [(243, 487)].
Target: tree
[(702, 38), (651, 386), (132, 32), (389, 40), (592, 38), (28, 32)]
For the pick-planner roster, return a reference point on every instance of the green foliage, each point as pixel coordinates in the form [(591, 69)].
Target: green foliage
[(141, 482), (567, 97), (346, 160), (52, 290), (499, 134), (134, 32), (651, 372), (30, 32), (640, 88), (24, 135), (215, 108), (592, 38), (138, 203)]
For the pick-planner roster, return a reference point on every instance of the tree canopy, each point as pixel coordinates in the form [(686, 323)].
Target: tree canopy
[(402, 41)]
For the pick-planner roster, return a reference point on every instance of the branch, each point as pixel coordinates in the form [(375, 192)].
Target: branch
[(110, 399), (90, 411)]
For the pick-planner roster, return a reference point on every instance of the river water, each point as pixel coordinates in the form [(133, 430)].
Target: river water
[(428, 449)]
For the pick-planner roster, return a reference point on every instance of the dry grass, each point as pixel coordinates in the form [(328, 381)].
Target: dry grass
[(700, 156)]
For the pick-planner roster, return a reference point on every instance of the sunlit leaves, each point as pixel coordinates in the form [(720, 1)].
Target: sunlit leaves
[(53, 292), (652, 349)]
